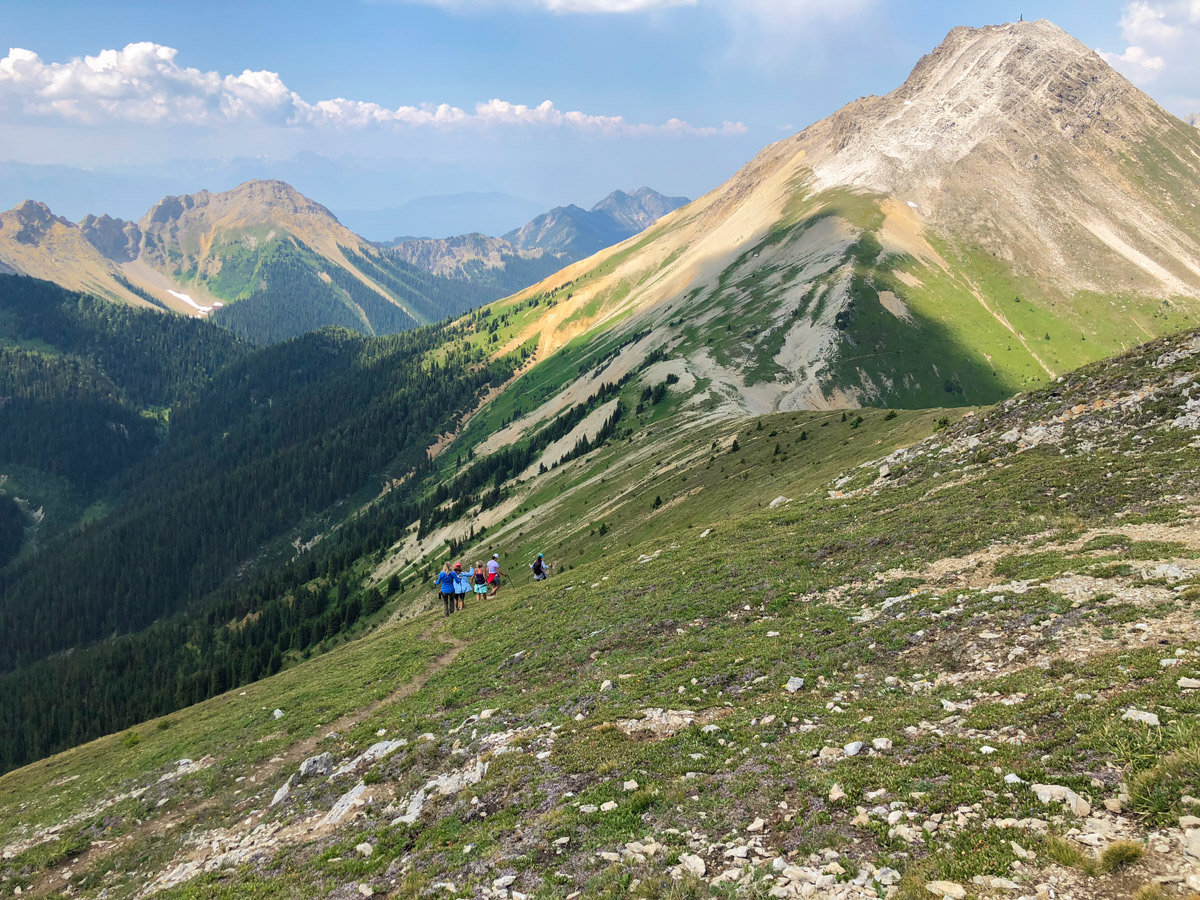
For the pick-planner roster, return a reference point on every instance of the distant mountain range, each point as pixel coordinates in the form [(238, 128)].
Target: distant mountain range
[(555, 239), (270, 263)]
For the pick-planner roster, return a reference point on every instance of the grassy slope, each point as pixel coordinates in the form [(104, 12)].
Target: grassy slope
[(881, 598), (977, 330)]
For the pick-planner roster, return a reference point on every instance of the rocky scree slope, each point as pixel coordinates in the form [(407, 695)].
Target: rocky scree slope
[(1014, 210), (967, 669)]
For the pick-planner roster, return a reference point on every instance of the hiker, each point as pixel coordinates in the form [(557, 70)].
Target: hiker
[(494, 573), (479, 578), (462, 584), (541, 568), (445, 584)]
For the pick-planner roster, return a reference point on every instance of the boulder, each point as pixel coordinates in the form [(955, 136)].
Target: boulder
[(693, 865), (947, 889), (321, 764)]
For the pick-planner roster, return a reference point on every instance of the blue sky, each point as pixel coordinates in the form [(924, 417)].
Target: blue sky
[(671, 93)]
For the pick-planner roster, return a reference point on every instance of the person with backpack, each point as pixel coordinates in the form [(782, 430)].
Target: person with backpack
[(479, 578), (494, 573), (445, 585), (541, 568)]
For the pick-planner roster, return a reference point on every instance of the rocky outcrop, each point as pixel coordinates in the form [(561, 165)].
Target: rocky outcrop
[(116, 239)]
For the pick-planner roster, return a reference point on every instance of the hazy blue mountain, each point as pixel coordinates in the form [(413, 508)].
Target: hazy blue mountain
[(442, 215), (576, 233)]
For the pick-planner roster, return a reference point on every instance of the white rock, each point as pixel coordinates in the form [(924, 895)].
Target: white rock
[(278, 714), (986, 750), (374, 753), (887, 876), (366, 890), (756, 825), (281, 794), (415, 804), (854, 748), (1138, 715), (1051, 793), (693, 864), (780, 501), (836, 793), (1188, 684), (321, 764), (346, 804), (881, 744), (794, 684), (588, 809), (605, 686), (503, 882), (487, 713), (364, 849), (950, 889), (609, 806), (630, 785)]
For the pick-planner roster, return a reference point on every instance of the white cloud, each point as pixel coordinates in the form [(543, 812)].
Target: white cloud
[(1158, 36), (1136, 63), (144, 84)]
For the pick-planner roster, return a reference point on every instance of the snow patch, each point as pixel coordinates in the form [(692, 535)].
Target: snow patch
[(201, 311)]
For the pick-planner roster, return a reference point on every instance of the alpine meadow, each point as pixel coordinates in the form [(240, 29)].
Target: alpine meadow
[(834, 535)]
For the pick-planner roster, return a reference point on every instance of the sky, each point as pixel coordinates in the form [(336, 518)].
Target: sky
[(375, 102)]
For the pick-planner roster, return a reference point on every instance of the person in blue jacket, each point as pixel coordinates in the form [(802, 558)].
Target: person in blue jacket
[(445, 585), (462, 586)]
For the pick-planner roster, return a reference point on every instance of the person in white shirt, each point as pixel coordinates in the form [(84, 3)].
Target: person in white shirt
[(494, 573)]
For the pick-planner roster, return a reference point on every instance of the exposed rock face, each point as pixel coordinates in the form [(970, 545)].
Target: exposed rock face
[(116, 239), (453, 256), (638, 211), (1015, 136)]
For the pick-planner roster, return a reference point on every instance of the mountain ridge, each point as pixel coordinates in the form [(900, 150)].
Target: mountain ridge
[(1005, 263)]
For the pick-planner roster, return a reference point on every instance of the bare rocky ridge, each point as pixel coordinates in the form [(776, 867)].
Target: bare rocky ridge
[(1020, 137), (449, 256)]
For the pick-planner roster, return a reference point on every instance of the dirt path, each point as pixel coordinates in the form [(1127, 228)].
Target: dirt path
[(306, 748), (53, 881)]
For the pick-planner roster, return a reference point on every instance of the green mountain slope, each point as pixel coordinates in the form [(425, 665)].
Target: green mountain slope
[(930, 665), (84, 385)]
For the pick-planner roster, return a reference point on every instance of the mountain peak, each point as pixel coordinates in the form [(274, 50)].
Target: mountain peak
[(1024, 84), (33, 220), (250, 203), (638, 210)]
